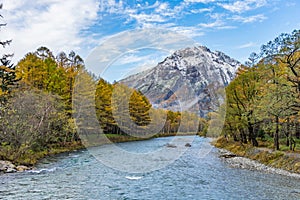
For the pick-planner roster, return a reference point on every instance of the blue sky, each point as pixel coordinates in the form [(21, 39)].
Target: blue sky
[(234, 27)]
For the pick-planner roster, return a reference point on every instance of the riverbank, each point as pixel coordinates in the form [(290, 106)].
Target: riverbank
[(259, 158), (28, 161), (245, 163)]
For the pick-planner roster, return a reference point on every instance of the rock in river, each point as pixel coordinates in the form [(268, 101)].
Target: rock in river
[(22, 168), (7, 167)]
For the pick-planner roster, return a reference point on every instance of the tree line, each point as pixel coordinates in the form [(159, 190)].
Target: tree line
[(264, 98), (122, 110), (36, 111), (36, 114), (36, 103)]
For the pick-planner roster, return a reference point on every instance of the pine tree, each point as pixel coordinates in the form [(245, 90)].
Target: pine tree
[(7, 70), (104, 108)]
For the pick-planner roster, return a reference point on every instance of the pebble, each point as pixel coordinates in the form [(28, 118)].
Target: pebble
[(246, 163)]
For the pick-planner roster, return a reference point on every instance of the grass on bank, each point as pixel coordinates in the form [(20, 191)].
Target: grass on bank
[(264, 153), (30, 157)]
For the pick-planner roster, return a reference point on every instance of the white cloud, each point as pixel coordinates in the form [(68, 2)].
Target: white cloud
[(225, 27), (290, 4), (183, 7), (160, 14), (247, 45), (249, 19), (134, 58), (144, 18), (141, 13), (162, 7), (218, 24), (185, 31), (242, 6), (62, 25), (129, 41), (201, 10), (53, 23), (188, 31), (214, 24), (199, 1)]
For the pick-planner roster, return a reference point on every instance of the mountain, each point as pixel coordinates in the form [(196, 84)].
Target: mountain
[(190, 79)]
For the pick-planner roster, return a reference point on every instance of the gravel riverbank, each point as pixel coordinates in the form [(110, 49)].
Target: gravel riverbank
[(246, 163)]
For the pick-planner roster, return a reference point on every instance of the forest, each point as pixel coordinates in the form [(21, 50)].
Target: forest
[(263, 100), (36, 114)]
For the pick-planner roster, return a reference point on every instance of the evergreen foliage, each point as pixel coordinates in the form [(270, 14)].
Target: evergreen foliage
[(7, 69)]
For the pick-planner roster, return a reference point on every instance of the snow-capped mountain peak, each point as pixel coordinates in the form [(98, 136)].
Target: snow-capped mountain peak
[(186, 79)]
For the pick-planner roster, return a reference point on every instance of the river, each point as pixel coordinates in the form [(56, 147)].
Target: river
[(79, 175)]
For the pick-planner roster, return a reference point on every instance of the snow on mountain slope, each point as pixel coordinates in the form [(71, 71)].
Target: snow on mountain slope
[(190, 79)]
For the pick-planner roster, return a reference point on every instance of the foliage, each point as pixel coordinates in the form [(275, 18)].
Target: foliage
[(121, 110), (32, 121), (42, 71), (264, 97), (7, 70), (242, 100), (37, 117)]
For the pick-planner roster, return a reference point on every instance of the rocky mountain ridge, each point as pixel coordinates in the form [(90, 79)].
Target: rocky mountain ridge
[(189, 79)]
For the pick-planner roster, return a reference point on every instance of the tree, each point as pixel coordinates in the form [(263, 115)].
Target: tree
[(44, 53), (42, 71), (242, 101), (276, 98), (282, 57), (7, 70), (285, 50), (104, 108), (130, 110), (139, 107), (32, 121)]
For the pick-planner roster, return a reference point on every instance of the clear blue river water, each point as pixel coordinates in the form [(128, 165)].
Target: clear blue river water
[(79, 175)]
